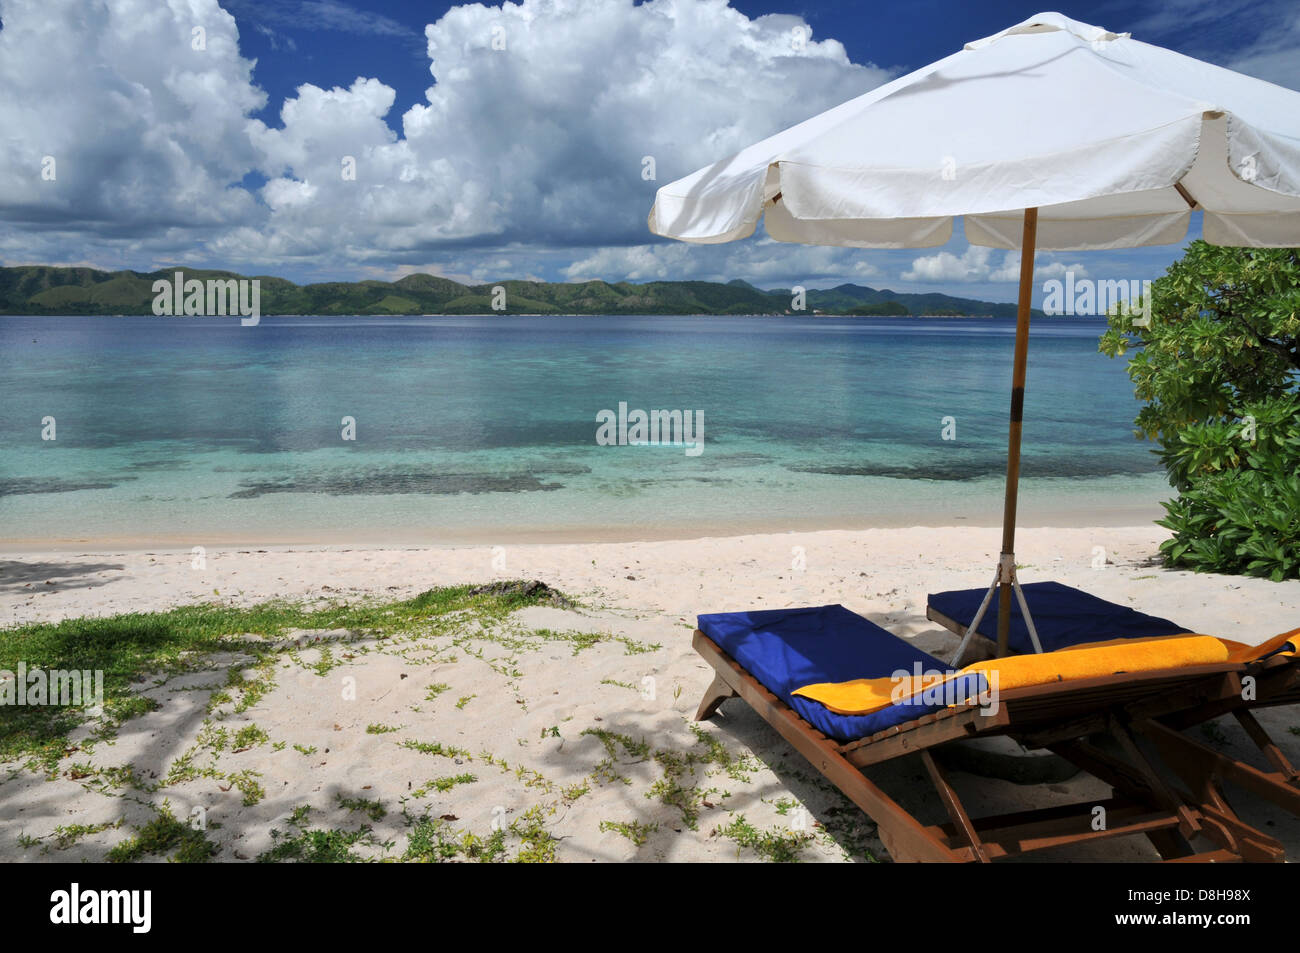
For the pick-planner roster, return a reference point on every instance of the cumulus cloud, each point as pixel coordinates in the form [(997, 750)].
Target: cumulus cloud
[(977, 264), (540, 123), (765, 263), (535, 131), (116, 125)]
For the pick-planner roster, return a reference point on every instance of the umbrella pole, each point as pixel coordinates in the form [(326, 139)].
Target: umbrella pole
[(1007, 563), (1005, 582)]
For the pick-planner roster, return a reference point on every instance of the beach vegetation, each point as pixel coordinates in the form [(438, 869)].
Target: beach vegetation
[(133, 648), (775, 846), (443, 785), (1217, 364), (437, 748), (435, 841), (374, 810), (638, 832), (306, 845), (165, 835)]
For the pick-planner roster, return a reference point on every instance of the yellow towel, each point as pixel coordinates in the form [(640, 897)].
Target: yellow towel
[(862, 696), (1108, 658), (865, 695), (1237, 651), (1247, 653)]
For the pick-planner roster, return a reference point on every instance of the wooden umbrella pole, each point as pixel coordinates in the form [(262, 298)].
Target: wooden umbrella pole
[(1008, 561)]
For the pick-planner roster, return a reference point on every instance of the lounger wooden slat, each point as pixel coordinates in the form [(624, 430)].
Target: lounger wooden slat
[(1074, 828), (889, 744), (1144, 804)]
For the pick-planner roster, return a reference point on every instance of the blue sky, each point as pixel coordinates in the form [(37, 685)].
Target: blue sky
[(297, 43), (476, 167)]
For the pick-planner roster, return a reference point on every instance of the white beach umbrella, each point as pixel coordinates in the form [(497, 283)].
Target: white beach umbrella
[(1052, 134)]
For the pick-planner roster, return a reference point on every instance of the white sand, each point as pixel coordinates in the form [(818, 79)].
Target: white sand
[(647, 592)]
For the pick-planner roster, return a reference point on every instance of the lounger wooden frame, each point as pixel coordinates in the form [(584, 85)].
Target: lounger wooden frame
[(1064, 718), (1275, 681)]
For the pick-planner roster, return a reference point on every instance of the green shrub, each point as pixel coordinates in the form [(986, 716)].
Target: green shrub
[(1217, 366)]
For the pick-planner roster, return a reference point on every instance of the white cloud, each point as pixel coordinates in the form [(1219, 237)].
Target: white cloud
[(972, 265), (539, 144), (764, 262), (976, 264), (141, 132)]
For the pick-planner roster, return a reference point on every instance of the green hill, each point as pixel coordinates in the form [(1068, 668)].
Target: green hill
[(40, 289)]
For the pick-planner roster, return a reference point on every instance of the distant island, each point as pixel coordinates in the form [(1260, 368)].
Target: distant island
[(42, 289)]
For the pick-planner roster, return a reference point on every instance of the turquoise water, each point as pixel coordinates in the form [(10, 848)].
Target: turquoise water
[(181, 430)]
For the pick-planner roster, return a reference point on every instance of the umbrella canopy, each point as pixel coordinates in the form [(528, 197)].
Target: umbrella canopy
[(1051, 134), (1114, 140)]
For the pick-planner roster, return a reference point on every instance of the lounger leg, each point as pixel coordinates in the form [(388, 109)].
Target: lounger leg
[(1199, 766), (718, 692), (1266, 744), (952, 804), (1128, 784), (1151, 779)]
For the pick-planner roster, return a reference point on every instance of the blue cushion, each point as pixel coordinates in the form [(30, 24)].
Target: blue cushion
[(1062, 615), (787, 649)]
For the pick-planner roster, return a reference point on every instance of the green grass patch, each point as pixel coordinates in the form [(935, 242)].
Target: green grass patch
[(165, 835), (775, 846), (635, 831), (374, 810), (435, 841), (437, 748), (132, 647), (442, 785)]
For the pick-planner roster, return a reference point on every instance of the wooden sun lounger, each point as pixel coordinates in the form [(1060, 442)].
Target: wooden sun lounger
[(1062, 717), (1276, 681)]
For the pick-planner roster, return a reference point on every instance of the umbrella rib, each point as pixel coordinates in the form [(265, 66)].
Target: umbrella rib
[(1187, 196)]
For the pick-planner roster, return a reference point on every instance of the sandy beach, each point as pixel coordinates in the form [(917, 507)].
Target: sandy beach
[(569, 729)]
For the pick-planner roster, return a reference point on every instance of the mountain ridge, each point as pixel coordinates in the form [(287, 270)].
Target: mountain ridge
[(57, 290)]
